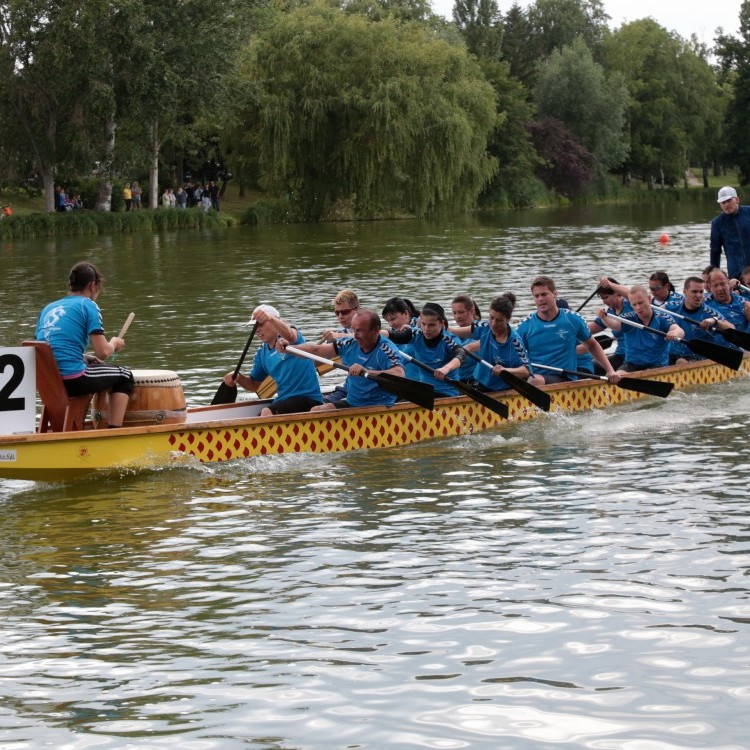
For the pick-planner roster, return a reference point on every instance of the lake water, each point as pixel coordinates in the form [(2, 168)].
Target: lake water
[(576, 582)]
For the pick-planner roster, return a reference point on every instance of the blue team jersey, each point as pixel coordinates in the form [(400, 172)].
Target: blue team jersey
[(675, 298), (692, 332), (622, 341), (646, 350), (435, 353), (364, 391), (294, 375), (506, 354), (553, 342), (67, 325), (466, 371), (733, 311)]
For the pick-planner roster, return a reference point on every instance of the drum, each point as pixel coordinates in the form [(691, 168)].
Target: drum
[(157, 398)]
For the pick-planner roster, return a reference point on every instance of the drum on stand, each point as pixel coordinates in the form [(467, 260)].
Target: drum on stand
[(157, 398)]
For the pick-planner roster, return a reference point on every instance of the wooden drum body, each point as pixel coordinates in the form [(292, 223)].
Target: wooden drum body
[(157, 398)]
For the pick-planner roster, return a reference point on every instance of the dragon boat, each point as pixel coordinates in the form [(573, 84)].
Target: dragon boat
[(227, 432)]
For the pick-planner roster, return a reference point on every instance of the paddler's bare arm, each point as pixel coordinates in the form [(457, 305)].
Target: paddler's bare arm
[(103, 348), (596, 351), (326, 350)]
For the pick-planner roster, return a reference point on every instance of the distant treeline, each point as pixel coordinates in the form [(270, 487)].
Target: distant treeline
[(367, 108)]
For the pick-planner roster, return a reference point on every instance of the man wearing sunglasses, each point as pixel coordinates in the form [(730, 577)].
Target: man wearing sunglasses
[(345, 305)]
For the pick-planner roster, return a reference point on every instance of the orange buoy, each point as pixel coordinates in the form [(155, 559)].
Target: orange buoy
[(664, 239)]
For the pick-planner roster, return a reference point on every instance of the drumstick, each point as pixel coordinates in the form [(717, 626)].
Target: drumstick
[(122, 333), (126, 325)]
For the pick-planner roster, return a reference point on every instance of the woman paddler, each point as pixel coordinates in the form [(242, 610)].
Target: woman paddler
[(430, 343), (68, 325), (499, 345)]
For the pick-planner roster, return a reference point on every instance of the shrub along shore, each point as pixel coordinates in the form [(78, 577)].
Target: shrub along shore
[(72, 223), (30, 225)]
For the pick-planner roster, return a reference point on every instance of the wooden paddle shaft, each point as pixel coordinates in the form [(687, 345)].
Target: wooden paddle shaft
[(126, 325), (639, 325), (579, 373), (321, 360)]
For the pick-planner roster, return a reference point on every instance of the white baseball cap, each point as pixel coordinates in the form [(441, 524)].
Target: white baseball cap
[(269, 310), (725, 194)]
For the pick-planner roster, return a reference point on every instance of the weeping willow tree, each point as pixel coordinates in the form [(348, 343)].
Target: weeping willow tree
[(383, 113)]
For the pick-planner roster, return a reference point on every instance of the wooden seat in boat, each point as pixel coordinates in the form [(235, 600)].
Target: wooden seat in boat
[(60, 412)]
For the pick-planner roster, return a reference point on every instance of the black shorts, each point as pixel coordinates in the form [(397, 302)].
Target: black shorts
[(293, 404), (99, 378), (633, 367), (335, 395)]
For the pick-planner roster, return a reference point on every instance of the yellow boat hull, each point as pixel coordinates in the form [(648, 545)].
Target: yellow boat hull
[(232, 431)]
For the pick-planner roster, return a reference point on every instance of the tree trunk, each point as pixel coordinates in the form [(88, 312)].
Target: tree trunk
[(153, 172), (48, 180), (705, 174), (104, 201)]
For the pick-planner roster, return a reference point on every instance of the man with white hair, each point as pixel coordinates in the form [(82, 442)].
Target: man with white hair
[(730, 231), (297, 386)]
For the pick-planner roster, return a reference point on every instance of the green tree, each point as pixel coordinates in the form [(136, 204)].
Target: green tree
[(558, 23), (401, 10), (702, 102), (49, 103), (178, 82), (510, 144), (574, 89), (383, 113), (521, 48), (480, 23), (668, 86), (734, 55)]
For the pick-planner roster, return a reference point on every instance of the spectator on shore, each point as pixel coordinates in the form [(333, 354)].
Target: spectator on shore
[(127, 196), (206, 201), (213, 191), (136, 192)]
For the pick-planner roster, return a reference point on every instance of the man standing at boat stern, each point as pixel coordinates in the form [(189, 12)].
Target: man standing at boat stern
[(730, 231)]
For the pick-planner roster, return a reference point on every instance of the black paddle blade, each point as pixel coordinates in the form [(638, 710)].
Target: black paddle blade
[(739, 338), (536, 395), (731, 358), (481, 398), (604, 340), (651, 387), (421, 394), (226, 394)]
